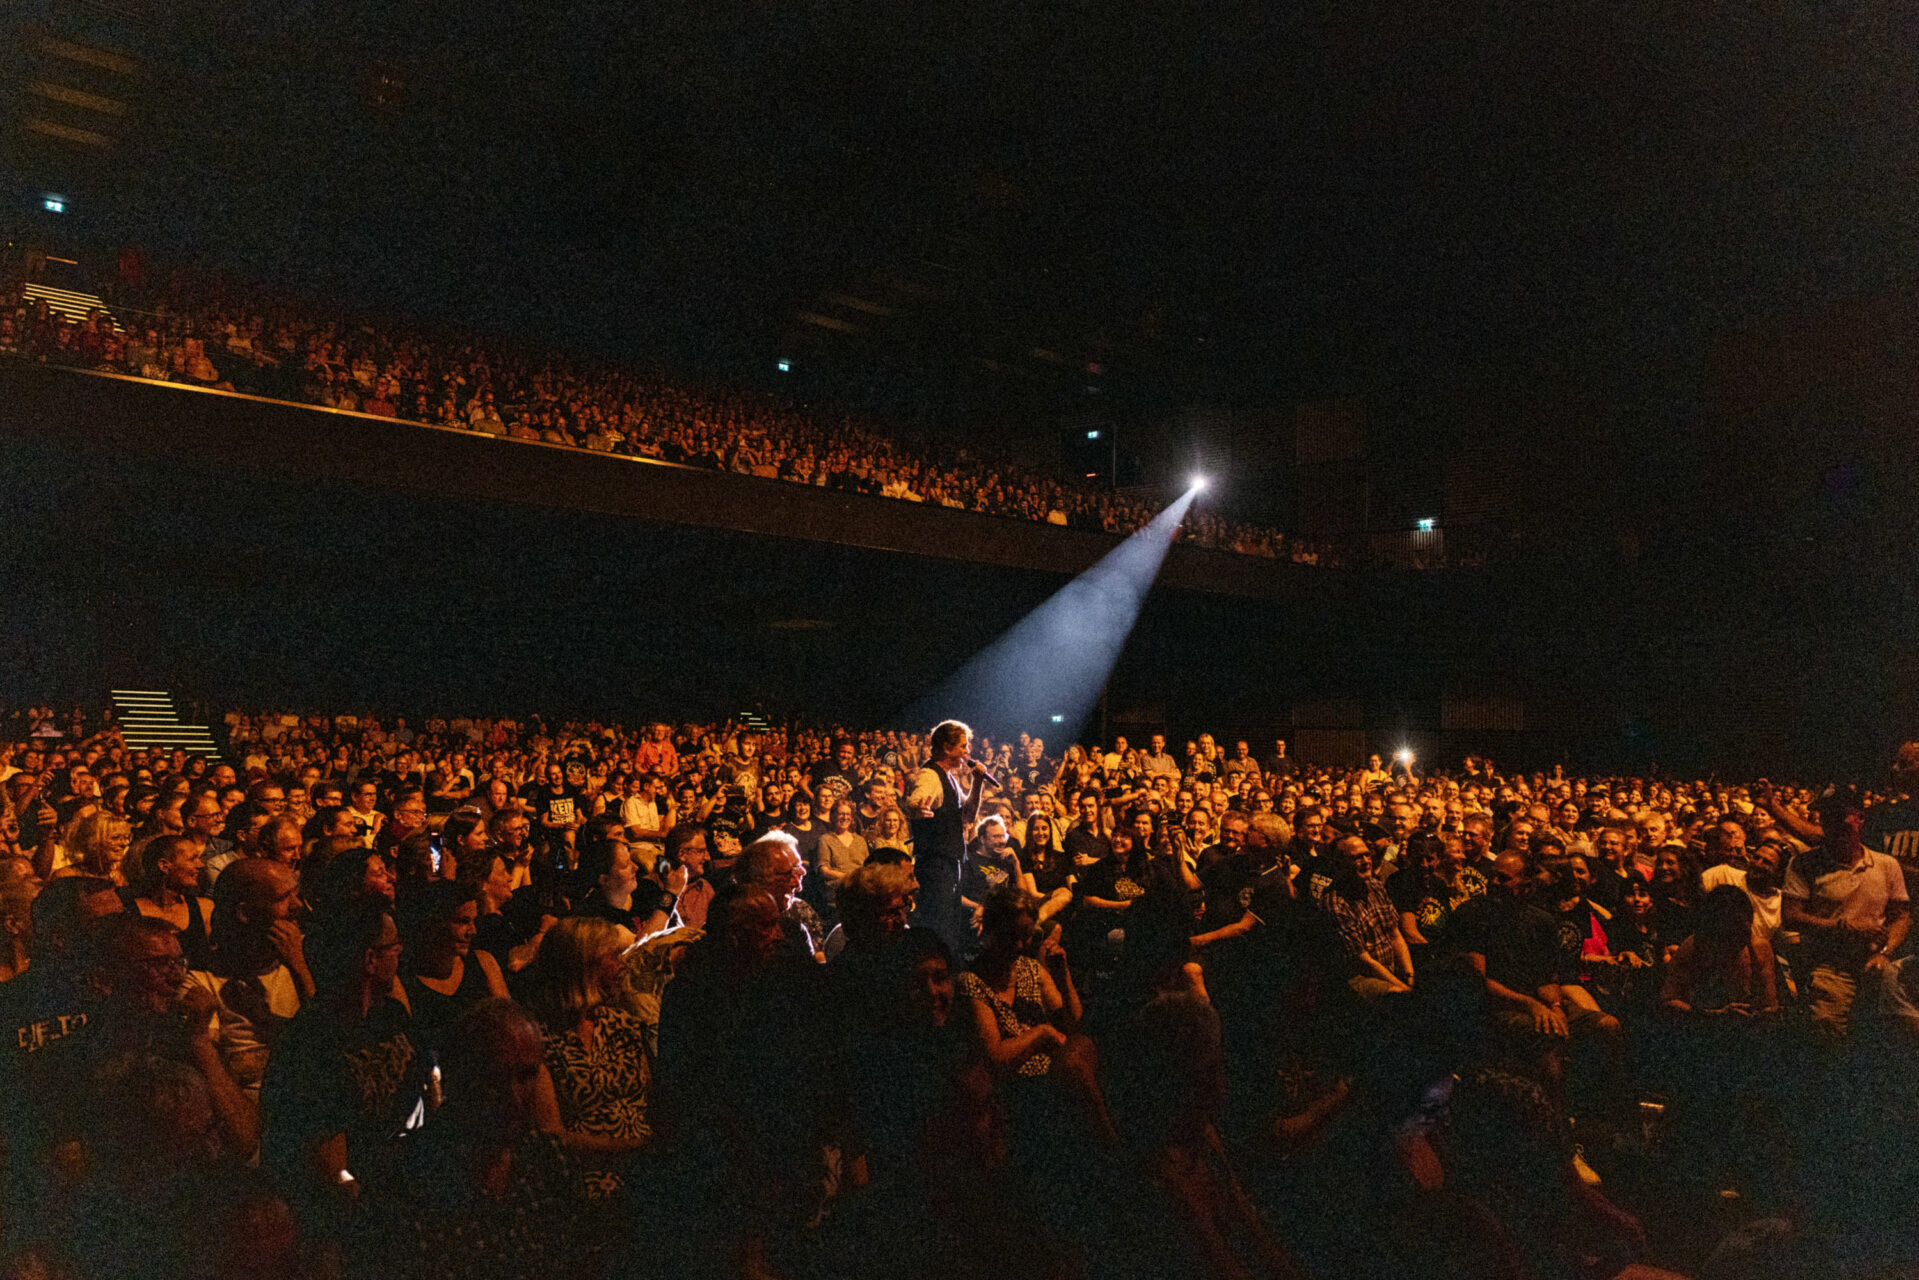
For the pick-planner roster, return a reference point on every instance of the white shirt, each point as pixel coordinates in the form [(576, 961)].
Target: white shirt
[(1766, 910), (644, 814), (1863, 890)]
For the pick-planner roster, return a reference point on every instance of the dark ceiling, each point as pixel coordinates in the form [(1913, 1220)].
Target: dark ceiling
[(1250, 203)]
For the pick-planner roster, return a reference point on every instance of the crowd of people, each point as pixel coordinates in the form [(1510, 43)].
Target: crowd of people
[(505, 997), (200, 331)]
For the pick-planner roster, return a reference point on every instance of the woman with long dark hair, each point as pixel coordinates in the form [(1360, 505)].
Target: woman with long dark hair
[(1675, 887), (1047, 865), (442, 973)]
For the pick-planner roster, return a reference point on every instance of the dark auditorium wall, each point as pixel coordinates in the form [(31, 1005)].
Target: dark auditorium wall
[(383, 576)]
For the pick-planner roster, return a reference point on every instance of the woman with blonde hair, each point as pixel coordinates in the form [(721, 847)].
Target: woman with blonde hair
[(595, 1050), (892, 832), (96, 843)]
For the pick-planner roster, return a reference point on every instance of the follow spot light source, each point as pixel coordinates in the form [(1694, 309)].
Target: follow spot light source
[(1198, 482), (1050, 666)]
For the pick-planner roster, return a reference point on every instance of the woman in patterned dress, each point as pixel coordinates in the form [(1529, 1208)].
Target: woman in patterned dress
[(595, 1051), (1026, 1013)]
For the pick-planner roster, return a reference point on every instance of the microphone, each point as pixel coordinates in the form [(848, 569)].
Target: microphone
[(981, 770)]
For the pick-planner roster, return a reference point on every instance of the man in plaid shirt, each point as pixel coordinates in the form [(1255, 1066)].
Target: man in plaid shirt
[(1367, 922)]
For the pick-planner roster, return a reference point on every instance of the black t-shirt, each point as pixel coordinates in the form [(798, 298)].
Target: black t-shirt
[(1518, 940), (984, 874), (45, 1016), (567, 805), (1235, 885), (1893, 829), (334, 1074), (1574, 925), (808, 839), (1081, 843), (1608, 887), (1038, 775), (1429, 905), (594, 904), (829, 771), (1107, 880)]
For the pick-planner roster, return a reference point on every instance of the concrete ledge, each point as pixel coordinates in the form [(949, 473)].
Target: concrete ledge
[(117, 414)]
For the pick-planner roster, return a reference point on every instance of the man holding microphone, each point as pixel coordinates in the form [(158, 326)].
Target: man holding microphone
[(943, 805)]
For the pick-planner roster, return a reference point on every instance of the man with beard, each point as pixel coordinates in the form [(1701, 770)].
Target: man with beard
[(1368, 923), (1761, 877)]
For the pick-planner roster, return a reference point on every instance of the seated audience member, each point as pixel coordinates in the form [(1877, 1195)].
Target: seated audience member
[(1055, 880), (595, 1051), (1634, 969), (53, 1003), (1367, 922), (1427, 890), (992, 862), (441, 973), (1849, 904), (741, 1036), (1722, 968), (150, 1010), (615, 891), (686, 848), (356, 872), (96, 844), (773, 863), (1675, 887), (511, 831), (168, 888), (464, 835), (486, 1188), (1760, 877), (1169, 1094), (346, 1077), (259, 976), (490, 878), (1026, 1011), (1510, 945)]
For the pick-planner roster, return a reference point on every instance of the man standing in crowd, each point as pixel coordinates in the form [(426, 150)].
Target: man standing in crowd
[(945, 802), (839, 772), (1279, 766), (1892, 828), (1849, 905), (1158, 762), (1241, 765)]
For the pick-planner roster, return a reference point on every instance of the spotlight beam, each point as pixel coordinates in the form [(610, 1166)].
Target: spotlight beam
[(1045, 673)]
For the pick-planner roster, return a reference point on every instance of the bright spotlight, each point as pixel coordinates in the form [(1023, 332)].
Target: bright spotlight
[(1060, 655), (1198, 482), (1403, 755)]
